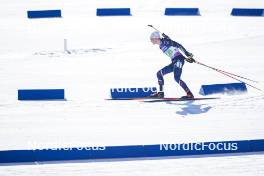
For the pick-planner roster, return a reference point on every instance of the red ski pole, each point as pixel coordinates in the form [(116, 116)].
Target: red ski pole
[(226, 74)]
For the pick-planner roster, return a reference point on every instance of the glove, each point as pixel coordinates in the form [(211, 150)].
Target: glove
[(165, 36), (190, 58)]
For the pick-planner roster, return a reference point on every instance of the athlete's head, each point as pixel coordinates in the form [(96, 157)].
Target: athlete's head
[(155, 37)]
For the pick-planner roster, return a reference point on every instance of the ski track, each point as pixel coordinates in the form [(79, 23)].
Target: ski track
[(116, 52)]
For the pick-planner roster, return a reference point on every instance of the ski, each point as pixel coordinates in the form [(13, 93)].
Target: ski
[(142, 98), (178, 99), (151, 99)]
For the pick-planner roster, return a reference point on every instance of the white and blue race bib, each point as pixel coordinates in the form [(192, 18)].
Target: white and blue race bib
[(172, 51)]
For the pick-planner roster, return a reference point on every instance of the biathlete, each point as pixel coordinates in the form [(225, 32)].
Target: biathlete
[(173, 50)]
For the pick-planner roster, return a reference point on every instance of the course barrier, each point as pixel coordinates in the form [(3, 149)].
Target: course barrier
[(132, 151), (247, 12), (113, 12), (132, 92), (182, 11), (228, 88), (44, 14), (41, 94)]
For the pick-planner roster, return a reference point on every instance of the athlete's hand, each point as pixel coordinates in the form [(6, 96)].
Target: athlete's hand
[(190, 58)]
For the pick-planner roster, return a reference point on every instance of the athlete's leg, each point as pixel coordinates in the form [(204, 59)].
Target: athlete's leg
[(177, 70), (167, 69)]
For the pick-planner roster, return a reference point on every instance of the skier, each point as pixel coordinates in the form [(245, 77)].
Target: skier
[(173, 50)]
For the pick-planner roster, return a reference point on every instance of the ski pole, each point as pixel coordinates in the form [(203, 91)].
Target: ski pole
[(240, 81), (226, 72), (219, 71)]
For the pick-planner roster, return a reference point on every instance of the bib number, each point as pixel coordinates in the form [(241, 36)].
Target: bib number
[(172, 52)]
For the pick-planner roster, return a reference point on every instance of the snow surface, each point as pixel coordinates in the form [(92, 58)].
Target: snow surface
[(111, 52), (218, 166)]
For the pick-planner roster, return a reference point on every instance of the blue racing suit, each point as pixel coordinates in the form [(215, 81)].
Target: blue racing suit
[(172, 49)]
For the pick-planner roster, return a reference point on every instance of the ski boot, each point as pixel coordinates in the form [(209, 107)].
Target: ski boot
[(157, 95), (188, 96)]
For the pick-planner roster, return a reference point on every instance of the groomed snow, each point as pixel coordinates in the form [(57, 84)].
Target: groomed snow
[(116, 52)]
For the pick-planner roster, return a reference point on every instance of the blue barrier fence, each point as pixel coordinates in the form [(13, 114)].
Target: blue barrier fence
[(41, 94), (247, 12), (136, 151), (182, 11), (113, 12), (222, 88), (127, 12), (132, 92), (44, 14)]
